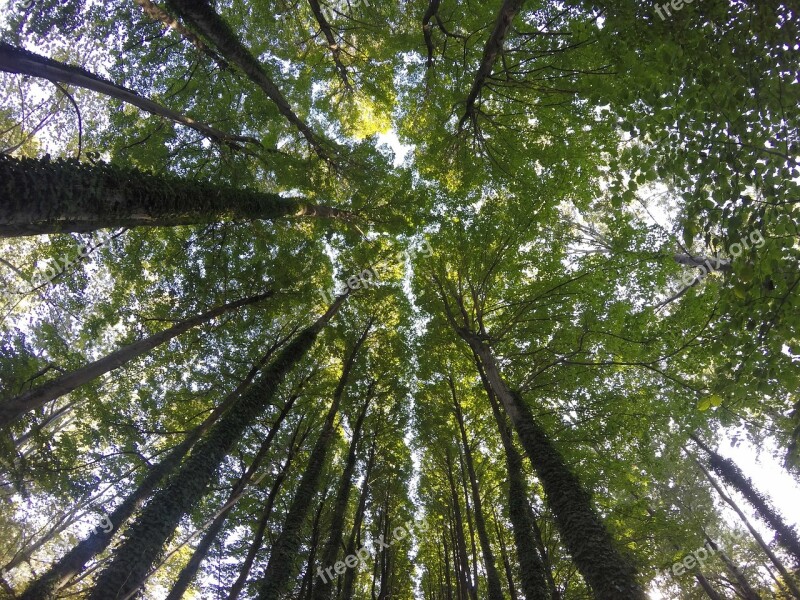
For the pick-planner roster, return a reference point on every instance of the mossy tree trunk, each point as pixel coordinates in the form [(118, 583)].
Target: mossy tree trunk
[(145, 539), (532, 568), (608, 573), (62, 196), (74, 561)]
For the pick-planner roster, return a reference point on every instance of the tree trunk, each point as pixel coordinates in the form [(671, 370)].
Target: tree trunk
[(188, 572), (532, 568), (787, 577), (22, 62), (280, 568), (308, 577), (461, 543), (258, 537), (61, 196), (73, 562), (202, 17), (495, 591), (146, 537), (745, 590), (323, 589), (348, 586), (605, 570), (733, 476), (13, 409), (710, 591), (512, 588)]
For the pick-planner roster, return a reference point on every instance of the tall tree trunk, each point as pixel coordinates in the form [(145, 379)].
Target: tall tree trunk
[(307, 588), (158, 14), (745, 590), (15, 408), (354, 543), (23, 62), (146, 537), (495, 591), (187, 574), (533, 571), (62, 196), (733, 476), (710, 591), (202, 17), (603, 567), (323, 589), (512, 588), (787, 577), (261, 528), (458, 526), (468, 518), (280, 568), (74, 561)]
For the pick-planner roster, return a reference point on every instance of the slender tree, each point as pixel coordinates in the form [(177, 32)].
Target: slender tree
[(16, 407)]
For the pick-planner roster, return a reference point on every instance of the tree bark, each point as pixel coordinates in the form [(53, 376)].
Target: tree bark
[(132, 561), (158, 14), (23, 62), (323, 589), (280, 568), (74, 561), (532, 569), (733, 476), (495, 591), (605, 570), (13, 409), (188, 573), (63, 196)]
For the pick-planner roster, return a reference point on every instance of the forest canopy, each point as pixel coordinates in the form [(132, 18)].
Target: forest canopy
[(431, 299)]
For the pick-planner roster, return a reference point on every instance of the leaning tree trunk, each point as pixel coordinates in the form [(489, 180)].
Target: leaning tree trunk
[(322, 591), (787, 577), (61, 196), (710, 591), (202, 17), (23, 62), (187, 574), (280, 568), (145, 539), (533, 573), (74, 561), (603, 567), (16, 407), (733, 476), (495, 591), (745, 590)]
